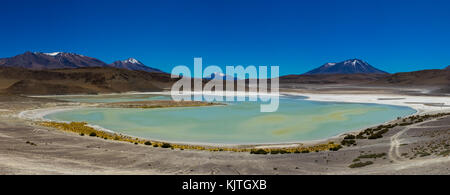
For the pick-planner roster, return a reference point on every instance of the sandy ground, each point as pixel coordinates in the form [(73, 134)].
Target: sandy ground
[(29, 149)]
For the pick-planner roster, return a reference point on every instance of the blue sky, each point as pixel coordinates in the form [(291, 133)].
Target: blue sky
[(394, 35)]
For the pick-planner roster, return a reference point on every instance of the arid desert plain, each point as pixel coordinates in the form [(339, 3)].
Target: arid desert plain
[(410, 145)]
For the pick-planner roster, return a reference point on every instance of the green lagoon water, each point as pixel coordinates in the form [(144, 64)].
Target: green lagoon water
[(236, 123)]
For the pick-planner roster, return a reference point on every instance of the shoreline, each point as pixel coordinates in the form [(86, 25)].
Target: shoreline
[(422, 104), (386, 99), (31, 148)]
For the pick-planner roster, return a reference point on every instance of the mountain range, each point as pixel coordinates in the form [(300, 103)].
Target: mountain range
[(220, 76), (352, 66), (62, 60), (69, 73), (133, 64)]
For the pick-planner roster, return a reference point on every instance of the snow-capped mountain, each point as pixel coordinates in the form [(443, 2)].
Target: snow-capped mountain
[(56, 60), (220, 76), (351, 66), (62, 60), (133, 64)]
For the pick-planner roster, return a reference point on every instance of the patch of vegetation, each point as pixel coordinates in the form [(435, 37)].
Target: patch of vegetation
[(166, 145), (444, 153), (372, 155), (316, 148), (259, 151), (31, 143), (274, 151), (148, 143), (378, 134), (360, 164), (93, 134), (349, 137), (348, 142), (82, 128), (423, 154), (335, 148)]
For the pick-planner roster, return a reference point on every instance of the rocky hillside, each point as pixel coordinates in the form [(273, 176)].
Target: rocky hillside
[(62, 60), (80, 81)]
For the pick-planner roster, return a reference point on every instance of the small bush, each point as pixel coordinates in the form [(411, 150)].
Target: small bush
[(349, 137), (81, 134), (444, 153), (378, 134), (283, 152), (335, 148), (372, 155), (375, 136), (93, 134), (360, 164), (166, 145), (274, 152), (148, 143), (423, 154), (360, 136), (259, 151), (348, 142)]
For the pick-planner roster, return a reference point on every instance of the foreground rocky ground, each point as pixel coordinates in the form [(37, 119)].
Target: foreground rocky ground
[(420, 148)]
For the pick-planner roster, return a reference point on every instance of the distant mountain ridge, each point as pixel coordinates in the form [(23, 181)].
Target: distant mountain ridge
[(448, 68), (352, 66), (133, 64), (220, 76), (63, 60), (56, 60)]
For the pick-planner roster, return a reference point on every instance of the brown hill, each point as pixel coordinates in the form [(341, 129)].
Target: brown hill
[(437, 81), (80, 81), (331, 78), (416, 78)]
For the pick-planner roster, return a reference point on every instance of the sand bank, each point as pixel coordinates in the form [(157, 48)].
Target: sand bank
[(423, 104)]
